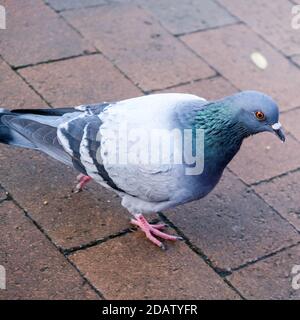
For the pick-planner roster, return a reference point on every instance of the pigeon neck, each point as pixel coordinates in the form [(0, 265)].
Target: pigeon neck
[(223, 133)]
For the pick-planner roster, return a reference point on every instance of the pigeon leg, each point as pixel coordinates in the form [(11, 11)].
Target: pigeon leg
[(82, 181), (159, 226), (152, 230)]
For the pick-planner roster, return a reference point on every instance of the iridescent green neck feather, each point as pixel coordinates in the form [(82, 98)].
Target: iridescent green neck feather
[(223, 133)]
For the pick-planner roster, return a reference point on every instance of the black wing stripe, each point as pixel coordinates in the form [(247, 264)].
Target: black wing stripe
[(94, 147), (73, 132)]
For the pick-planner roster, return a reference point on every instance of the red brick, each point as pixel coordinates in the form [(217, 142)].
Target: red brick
[(232, 225), (188, 15), (14, 92), (264, 156), (35, 33), (82, 80), (229, 50), (283, 195), (136, 269), (34, 267), (43, 187), (210, 89), (270, 19), (139, 46), (270, 278), (290, 121)]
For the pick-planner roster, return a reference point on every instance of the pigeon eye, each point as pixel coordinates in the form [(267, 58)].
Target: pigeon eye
[(260, 115)]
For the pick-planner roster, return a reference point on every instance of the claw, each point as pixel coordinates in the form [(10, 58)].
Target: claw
[(152, 230), (83, 180)]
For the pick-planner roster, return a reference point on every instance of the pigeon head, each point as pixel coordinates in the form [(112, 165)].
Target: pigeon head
[(227, 122), (256, 112)]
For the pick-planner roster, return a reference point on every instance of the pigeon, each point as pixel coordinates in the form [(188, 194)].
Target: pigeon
[(109, 143)]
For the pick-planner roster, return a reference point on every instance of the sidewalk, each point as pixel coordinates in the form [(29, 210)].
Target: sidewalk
[(241, 241)]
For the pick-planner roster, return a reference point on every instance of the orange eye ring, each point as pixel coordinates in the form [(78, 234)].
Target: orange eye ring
[(260, 115)]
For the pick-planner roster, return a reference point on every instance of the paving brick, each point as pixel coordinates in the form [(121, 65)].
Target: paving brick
[(290, 121), (188, 15), (34, 268), (270, 19), (43, 187), (283, 195), (73, 4), (14, 92), (232, 225), (270, 278), (152, 58), (237, 43), (35, 33), (136, 269), (82, 80), (264, 156), (210, 89)]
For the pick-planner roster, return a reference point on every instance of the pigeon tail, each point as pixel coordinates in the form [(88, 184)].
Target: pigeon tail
[(10, 136), (34, 129)]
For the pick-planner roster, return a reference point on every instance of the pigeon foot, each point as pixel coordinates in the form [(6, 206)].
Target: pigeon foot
[(82, 181), (152, 230)]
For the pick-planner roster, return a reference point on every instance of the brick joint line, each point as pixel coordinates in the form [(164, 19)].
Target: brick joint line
[(266, 256), (59, 249), (93, 243), (26, 82), (208, 29), (220, 272), (73, 9), (270, 206), (84, 54), (33, 89), (257, 183)]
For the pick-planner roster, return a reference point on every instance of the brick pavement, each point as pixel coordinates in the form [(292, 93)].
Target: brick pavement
[(241, 242)]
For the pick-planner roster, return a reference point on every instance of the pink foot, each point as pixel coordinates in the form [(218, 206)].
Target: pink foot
[(82, 181), (152, 230)]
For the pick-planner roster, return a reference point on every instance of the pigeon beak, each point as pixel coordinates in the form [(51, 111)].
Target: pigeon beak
[(277, 128)]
